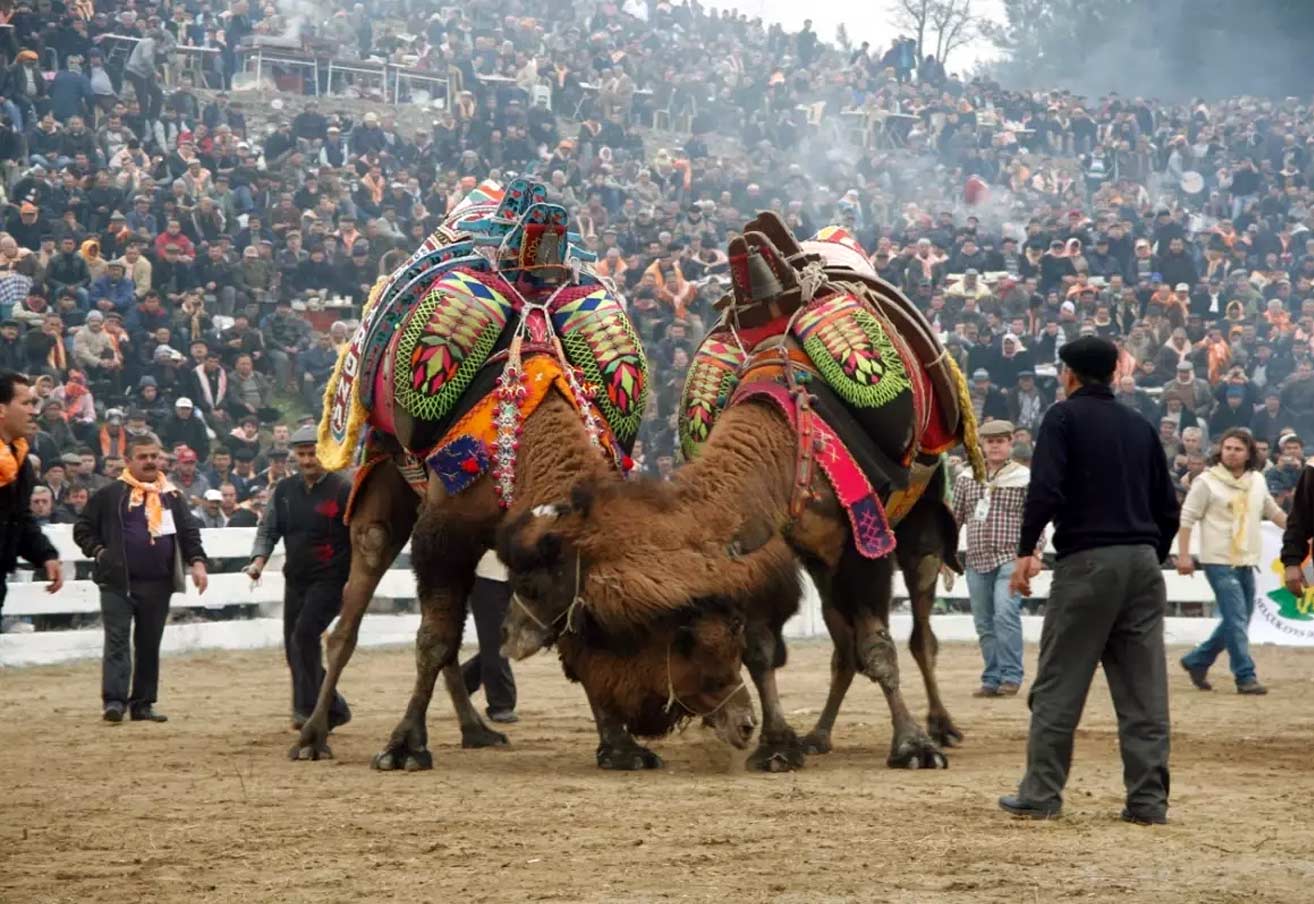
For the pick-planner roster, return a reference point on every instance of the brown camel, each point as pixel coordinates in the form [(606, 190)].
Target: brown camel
[(691, 660), (706, 524)]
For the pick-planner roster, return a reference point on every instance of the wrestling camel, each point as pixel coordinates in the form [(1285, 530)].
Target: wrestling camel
[(796, 457)]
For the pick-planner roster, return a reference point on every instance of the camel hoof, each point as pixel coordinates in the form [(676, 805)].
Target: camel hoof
[(419, 761), (310, 752), (817, 743), (410, 760), (627, 759), (777, 757), (917, 752), (483, 736), (943, 731)]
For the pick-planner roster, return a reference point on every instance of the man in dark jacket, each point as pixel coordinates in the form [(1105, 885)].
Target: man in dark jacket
[(184, 428), (305, 512), (139, 533), (20, 535), (1100, 476)]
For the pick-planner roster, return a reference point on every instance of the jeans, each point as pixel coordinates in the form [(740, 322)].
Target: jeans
[(998, 618), (1234, 588)]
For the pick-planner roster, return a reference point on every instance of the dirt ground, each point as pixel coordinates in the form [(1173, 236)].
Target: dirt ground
[(207, 807)]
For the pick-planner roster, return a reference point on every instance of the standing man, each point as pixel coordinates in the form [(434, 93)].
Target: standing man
[(1100, 477), (306, 514), (992, 513), (20, 535), (489, 600), (1228, 501), (139, 534)]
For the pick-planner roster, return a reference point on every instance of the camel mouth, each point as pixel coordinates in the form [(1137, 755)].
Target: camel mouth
[(520, 641)]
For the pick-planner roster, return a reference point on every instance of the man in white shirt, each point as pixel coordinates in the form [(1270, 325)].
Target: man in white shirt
[(1228, 501)]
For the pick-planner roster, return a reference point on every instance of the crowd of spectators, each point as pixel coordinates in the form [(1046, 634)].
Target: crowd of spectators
[(163, 248)]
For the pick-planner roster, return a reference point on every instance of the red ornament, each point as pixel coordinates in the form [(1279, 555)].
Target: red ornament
[(470, 466), (627, 463)]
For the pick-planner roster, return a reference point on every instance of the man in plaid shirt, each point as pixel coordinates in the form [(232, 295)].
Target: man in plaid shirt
[(992, 513)]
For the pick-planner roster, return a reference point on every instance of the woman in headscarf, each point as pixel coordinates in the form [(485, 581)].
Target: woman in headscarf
[(96, 264)]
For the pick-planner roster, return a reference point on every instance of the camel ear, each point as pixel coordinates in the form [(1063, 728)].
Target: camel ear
[(754, 533)]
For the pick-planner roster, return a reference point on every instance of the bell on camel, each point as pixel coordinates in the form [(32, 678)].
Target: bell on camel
[(753, 278)]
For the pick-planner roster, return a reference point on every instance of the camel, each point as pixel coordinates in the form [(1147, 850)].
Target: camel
[(754, 481), (530, 406)]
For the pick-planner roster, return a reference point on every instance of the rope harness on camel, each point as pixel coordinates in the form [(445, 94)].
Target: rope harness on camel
[(673, 699), (568, 615)]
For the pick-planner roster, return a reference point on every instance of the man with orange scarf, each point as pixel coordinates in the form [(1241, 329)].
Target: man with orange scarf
[(138, 532), (20, 535), (667, 278)]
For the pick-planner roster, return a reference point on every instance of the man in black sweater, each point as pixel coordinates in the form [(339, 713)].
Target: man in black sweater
[(306, 512), (1099, 475)]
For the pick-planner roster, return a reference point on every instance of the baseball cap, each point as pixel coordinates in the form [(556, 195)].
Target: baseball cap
[(183, 402), (213, 495)]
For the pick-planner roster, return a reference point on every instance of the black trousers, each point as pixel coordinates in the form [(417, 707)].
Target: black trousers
[(149, 94), (1105, 606), (134, 626), (489, 668), (308, 608)]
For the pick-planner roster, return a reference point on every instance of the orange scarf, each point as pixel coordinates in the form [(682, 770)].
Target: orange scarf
[(113, 445), (58, 357), (150, 495), (11, 460), (375, 187)]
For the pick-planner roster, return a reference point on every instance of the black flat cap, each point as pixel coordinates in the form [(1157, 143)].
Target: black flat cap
[(1090, 356)]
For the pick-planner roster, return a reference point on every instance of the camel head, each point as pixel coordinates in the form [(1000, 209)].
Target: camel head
[(686, 665), (546, 574)]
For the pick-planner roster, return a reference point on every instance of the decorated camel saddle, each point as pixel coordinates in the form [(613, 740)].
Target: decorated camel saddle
[(871, 393), (462, 342)]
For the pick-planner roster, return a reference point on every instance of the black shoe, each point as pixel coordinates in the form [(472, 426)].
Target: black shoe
[(505, 716), (147, 714), (1252, 688), (1141, 818), (113, 712), (339, 719), (1198, 677), (1025, 809)]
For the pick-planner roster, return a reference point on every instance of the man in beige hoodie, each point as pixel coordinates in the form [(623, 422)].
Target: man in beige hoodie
[(1228, 501)]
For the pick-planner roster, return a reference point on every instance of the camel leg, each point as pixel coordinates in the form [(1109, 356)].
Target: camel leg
[(380, 526), (779, 749), (843, 666), (617, 748), (444, 560), (474, 731), (920, 576), (877, 657)]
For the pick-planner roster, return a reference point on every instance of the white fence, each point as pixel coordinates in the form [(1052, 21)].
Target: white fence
[(28, 598)]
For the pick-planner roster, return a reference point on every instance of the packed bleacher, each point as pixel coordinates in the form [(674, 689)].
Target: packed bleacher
[(180, 256)]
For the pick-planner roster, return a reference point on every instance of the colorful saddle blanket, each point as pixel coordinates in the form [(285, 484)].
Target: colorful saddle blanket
[(467, 315), (493, 226)]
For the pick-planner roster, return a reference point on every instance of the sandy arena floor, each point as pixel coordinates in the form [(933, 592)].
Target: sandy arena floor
[(207, 807)]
